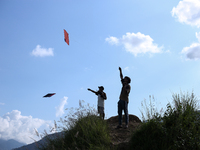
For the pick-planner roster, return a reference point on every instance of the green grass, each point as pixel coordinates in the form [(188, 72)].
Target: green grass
[(177, 129), (83, 130)]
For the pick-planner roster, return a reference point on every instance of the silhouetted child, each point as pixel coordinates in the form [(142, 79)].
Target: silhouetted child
[(101, 97)]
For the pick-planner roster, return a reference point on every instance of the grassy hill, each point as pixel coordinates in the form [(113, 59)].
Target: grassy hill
[(115, 138), (177, 128)]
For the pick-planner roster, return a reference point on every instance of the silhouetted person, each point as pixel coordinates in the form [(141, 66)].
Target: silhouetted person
[(124, 99), (101, 97)]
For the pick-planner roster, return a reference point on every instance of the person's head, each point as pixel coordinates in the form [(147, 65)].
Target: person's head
[(101, 88), (127, 79)]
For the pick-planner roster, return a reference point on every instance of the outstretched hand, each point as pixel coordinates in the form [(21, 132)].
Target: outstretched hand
[(120, 71)]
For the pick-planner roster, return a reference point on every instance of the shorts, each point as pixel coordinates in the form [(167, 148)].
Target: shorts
[(100, 110)]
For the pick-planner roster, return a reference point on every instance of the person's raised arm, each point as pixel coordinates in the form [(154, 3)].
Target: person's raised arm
[(120, 71), (92, 91)]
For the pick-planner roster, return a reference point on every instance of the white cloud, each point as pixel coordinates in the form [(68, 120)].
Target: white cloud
[(136, 43), (42, 52), (193, 51), (60, 108), (112, 40), (188, 11), (2, 103), (15, 126), (126, 68)]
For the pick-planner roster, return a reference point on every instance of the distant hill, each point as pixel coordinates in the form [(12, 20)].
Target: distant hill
[(9, 144), (32, 146), (35, 145), (119, 137)]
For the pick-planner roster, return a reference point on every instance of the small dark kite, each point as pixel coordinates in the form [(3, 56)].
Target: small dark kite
[(49, 94)]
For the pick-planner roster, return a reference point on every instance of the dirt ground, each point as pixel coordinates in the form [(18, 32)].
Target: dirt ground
[(120, 137)]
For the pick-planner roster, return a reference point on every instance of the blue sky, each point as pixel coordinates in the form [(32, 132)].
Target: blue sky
[(156, 43)]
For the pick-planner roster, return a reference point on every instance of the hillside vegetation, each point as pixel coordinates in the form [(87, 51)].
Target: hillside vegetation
[(177, 128)]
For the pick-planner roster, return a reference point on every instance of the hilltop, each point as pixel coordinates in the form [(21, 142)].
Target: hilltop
[(119, 137)]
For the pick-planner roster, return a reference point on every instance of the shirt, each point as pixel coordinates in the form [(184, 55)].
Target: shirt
[(124, 95), (100, 101)]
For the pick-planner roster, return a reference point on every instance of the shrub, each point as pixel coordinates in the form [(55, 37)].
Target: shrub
[(82, 130), (89, 132), (178, 128), (149, 136)]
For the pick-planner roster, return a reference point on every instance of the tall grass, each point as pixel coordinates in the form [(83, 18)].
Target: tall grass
[(149, 111), (82, 130), (178, 128)]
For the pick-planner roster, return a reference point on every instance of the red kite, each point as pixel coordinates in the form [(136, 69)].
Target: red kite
[(49, 94), (66, 37)]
